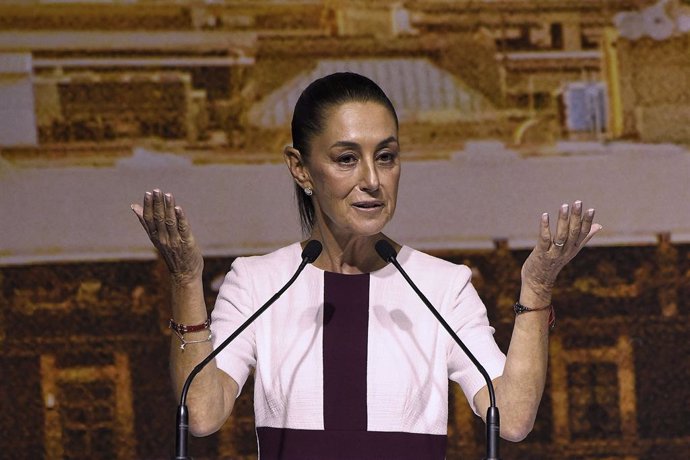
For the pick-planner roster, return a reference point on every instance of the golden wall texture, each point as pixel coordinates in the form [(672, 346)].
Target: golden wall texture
[(84, 359)]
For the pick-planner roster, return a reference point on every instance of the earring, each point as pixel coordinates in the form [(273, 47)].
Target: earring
[(308, 191)]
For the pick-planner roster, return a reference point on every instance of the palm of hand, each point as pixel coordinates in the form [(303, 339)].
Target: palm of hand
[(168, 229), (573, 231)]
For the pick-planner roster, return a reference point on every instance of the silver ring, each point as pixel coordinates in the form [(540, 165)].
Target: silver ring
[(559, 245)]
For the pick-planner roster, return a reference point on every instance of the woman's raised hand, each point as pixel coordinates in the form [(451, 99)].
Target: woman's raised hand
[(573, 230), (168, 230)]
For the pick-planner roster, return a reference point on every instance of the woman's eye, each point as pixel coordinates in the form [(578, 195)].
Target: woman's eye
[(346, 159), (386, 157)]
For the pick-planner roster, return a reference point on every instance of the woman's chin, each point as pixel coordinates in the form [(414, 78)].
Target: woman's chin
[(357, 227), (365, 229)]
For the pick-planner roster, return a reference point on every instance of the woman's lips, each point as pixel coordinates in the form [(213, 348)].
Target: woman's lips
[(368, 204)]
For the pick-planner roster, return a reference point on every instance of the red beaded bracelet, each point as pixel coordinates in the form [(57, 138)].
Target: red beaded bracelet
[(183, 328)]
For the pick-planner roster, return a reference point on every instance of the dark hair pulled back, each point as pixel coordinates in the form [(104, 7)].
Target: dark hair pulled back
[(311, 113)]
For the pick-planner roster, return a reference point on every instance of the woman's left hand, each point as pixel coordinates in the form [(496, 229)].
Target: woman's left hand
[(573, 230)]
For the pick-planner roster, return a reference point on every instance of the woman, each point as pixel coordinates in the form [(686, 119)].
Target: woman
[(349, 363)]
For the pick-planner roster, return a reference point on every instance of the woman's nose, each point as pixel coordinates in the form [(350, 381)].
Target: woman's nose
[(370, 177)]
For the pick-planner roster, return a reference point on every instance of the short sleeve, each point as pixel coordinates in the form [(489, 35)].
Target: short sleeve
[(233, 306), (467, 316)]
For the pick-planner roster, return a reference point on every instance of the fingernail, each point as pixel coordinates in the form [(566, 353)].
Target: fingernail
[(156, 191), (131, 206), (590, 212), (168, 198), (564, 207), (147, 195), (577, 205), (545, 217)]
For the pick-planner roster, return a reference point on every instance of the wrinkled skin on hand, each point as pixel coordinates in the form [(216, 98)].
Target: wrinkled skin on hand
[(169, 231), (573, 230)]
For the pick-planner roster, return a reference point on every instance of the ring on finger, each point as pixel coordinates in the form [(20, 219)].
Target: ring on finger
[(559, 245)]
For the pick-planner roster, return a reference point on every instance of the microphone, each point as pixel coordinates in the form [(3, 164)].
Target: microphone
[(387, 253), (309, 254)]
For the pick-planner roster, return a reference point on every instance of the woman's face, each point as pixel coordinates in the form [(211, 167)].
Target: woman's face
[(354, 166)]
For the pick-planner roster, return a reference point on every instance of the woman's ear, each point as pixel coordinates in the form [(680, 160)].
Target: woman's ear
[(295, 163)]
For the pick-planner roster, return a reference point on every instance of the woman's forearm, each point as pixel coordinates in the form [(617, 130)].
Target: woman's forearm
[(212, 393), (520, 389)]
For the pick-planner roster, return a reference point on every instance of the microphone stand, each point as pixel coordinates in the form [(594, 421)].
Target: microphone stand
[(309, 254), (387, 253)]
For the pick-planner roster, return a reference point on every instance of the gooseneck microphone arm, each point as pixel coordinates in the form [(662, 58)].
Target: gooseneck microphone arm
[(309, 254), (387, 253)]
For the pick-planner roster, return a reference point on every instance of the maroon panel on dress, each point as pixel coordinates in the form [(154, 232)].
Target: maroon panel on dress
[(290, 444), (345, 335)]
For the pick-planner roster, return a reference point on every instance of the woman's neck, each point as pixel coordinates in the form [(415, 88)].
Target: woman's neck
[(349, 254)]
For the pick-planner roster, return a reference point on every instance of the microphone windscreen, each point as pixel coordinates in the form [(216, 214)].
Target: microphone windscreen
[(311, 251), (385, 250)]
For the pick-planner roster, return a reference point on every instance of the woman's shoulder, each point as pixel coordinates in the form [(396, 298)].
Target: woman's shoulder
[(287, 256), (432, 266)]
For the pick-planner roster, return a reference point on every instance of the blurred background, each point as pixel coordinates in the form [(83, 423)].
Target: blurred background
[(508, 108)]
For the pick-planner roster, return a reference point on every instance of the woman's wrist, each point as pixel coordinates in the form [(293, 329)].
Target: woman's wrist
[(185, 281), (535, 296), (188, 305)]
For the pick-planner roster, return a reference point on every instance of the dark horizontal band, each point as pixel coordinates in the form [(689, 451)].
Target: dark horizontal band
[(291, 444), (518, 308)]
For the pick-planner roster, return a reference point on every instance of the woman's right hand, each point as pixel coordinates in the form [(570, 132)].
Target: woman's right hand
[(168, 230)]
